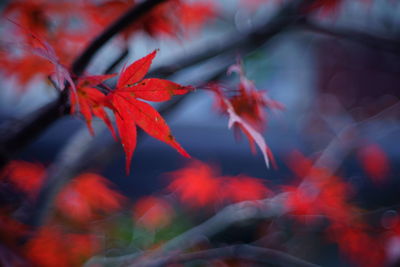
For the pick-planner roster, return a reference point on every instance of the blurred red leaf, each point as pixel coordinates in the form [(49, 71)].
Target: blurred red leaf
[(87, 196), (200, 185), (374, 162), (153, 212), (319, 193), (354, 240), (169, 18), (48, 248), (11, 230), (245, 110), (249, 102), (196, 184), (194, 15), (43, 49), (243, 188), (52, 247), (27, 177)]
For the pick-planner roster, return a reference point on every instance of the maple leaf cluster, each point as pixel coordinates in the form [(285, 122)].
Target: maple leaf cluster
[(200, 185), (128, 111), (153, 212)]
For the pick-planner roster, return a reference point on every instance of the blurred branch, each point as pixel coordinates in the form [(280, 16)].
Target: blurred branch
[(16, 135), (348, 138), (363, 38), (235, 213), (132, 15), (232, 214), (244, 252), (287, 16), (65, 166)]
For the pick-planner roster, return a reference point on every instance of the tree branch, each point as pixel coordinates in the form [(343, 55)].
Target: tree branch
[(124, 21), (244, 252), (363, 38), (235, 213), (117, 61)]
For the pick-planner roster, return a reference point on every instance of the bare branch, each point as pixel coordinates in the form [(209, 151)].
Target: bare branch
[(244, 252), (117, 61), (235, 213)]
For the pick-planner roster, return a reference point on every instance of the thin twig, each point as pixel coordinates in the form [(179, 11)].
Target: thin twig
[(111, 68)]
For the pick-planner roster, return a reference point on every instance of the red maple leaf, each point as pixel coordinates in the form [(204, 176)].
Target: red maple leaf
[(129, 111), (88, 196), (245, 110), (90, 101)]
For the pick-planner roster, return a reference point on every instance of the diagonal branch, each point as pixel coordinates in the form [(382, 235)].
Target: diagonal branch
[(234, 213), (124, 21), (243, 252)]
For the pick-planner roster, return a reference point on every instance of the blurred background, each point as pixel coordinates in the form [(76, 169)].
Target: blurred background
[(334, 68)]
